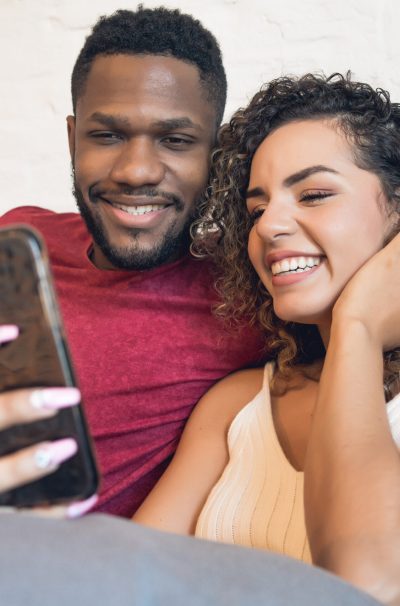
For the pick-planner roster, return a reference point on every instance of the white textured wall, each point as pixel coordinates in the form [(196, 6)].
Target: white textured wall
[(260, 39)]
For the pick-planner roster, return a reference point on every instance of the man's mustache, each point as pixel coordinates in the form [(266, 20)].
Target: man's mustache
[(96, 191)]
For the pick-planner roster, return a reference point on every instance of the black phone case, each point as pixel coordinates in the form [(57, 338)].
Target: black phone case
[(39, 357)]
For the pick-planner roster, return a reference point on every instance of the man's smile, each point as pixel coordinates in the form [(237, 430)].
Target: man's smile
[(140, 209)]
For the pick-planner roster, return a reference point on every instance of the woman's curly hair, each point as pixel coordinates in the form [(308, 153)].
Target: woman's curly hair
[(371, 124)]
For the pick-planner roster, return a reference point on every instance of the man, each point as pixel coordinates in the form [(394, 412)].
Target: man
[(148, 92)]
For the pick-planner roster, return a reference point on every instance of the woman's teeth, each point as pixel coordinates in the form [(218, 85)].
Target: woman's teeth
[(294, 265), (140, 210)]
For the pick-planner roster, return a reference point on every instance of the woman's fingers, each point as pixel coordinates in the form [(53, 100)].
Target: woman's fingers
[(29, 464), (34, 462), (25, 406), (28, 405), (74, 510), (372, 296), (8, 332)]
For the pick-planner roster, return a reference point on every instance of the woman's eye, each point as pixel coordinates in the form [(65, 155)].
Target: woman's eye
[(315, 195), (256, 213)]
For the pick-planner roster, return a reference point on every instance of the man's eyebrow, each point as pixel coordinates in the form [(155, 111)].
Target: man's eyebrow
[(293, 179), (111, 121), (175, 123), (115, 121)]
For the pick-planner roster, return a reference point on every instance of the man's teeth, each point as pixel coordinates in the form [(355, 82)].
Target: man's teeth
[(140, 210), (294, 265)]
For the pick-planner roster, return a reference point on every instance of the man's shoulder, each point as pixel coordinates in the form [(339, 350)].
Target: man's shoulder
[(26, 210), (34, 214), (65, 234), (49, 223)]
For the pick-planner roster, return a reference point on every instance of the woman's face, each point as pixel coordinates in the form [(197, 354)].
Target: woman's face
[(317, 218)]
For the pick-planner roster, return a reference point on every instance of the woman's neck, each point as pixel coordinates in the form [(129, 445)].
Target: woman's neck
[(324, 328)]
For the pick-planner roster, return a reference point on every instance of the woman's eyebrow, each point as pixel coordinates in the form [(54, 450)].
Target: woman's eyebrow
[(293, 179), (306, 172), (254, 193)]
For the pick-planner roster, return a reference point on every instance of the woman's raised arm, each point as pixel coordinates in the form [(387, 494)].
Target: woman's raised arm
[(352, 474)]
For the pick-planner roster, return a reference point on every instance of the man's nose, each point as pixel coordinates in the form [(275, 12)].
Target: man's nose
[(138, 164)]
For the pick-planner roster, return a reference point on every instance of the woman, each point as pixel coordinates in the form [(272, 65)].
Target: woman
[(306, 190)]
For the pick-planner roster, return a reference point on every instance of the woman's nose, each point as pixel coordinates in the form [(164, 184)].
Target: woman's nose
[(277, 220)]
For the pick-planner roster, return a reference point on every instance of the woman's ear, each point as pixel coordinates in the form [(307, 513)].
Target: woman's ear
[(392, 209)]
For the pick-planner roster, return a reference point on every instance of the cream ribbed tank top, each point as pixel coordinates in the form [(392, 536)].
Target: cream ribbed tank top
[(258, 500)]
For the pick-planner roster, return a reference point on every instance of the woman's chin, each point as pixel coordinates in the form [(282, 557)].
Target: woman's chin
[(301, 316)]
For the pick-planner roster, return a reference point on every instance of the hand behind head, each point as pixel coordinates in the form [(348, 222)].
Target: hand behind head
[(372, 297)]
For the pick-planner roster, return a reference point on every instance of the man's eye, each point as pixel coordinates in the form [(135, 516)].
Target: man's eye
[(106, 137), (177, 142), (315, 195)]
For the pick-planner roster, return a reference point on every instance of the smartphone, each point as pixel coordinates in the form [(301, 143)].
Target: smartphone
[(39, 357)]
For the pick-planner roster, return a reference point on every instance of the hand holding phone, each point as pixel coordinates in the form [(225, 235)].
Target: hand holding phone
[(25, 406), (25, 466), (43, 434)]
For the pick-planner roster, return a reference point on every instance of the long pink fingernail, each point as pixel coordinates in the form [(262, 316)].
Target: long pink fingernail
[(8, 332), (53, 398), (52, 454), (78, 509)]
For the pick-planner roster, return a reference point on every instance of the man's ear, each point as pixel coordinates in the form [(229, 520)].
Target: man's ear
[(71, 126)]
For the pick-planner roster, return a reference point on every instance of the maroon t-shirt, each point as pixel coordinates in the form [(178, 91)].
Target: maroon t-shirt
[(145, 347)]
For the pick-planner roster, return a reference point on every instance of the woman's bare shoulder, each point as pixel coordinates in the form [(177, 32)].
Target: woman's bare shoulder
[(228, 396)]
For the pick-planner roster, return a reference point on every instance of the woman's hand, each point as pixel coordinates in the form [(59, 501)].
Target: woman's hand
[(372, 297), (29, 464)]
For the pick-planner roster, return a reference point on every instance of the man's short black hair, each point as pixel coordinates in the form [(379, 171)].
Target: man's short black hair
[(158, 31)]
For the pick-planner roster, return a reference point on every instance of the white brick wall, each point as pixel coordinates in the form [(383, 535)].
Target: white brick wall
[(260, 39)]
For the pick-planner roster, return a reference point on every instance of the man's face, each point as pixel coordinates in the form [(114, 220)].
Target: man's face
[(140, 146)]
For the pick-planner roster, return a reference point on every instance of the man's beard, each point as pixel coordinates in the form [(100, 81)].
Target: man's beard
[(170, 246)]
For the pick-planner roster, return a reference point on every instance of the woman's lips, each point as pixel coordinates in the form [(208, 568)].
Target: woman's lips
[(294, 276)]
